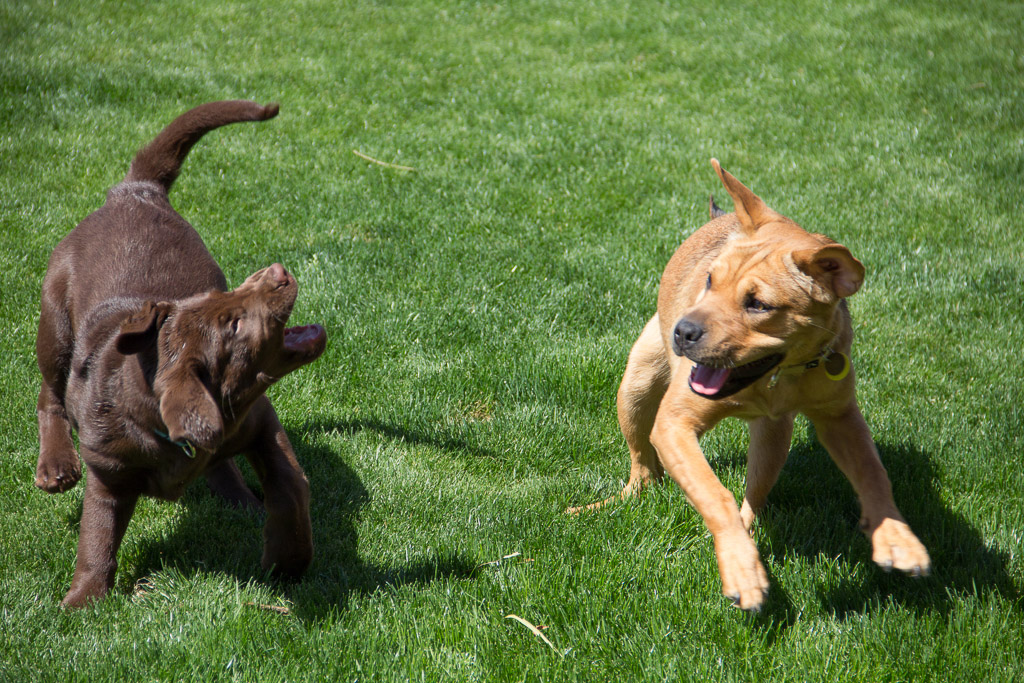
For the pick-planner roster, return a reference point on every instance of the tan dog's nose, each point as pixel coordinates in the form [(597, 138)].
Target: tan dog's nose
[(686, 334)]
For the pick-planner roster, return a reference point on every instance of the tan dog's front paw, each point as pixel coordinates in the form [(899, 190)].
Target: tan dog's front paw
[(895, 546), (744, 580)]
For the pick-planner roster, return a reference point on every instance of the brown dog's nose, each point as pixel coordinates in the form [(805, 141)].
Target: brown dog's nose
[(686, 334), (278, 274)]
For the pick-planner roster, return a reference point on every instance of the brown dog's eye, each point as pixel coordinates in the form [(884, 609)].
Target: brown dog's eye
[(234, 325)]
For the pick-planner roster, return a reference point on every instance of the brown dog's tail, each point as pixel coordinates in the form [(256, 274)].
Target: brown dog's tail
[(160, 161)]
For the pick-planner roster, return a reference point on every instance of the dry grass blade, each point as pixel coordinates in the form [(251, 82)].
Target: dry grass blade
[(382, 163), (499, 560), (270, 608), (510, 556), (534, 629)]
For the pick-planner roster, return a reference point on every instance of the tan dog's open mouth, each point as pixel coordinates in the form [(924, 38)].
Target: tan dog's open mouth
[(714, 382)]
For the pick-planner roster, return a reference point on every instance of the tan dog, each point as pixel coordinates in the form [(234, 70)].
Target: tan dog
[(751, 323)]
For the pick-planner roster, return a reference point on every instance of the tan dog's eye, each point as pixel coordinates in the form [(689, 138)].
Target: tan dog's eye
[(755, 305), (707, 285)]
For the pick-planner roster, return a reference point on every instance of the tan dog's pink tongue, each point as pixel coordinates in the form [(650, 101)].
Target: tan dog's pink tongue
[(708, 381)]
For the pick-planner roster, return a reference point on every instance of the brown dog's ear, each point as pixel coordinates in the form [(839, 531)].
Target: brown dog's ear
[(189, 411), (140, 330), (750, 209), (833, 267)]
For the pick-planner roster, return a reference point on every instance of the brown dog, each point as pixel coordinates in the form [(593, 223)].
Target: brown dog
[(161, 370), (751, 323)]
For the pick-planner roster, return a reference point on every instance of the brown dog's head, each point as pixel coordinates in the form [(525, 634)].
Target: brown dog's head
[(219, 351), (770, 295)]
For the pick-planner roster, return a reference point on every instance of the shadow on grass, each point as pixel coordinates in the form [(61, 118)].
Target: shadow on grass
[(813, 513), (445, 442), (212, 536)]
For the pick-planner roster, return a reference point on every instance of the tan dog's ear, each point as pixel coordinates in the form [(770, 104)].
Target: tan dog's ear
[(833, 267), (140, 330), (750, 209), (713, 209), (189, 411)]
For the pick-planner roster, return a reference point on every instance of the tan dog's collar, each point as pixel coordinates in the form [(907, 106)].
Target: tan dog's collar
[(835, 363)]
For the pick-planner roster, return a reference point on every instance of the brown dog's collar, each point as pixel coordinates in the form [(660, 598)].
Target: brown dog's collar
[(185, 445), (835, 363)]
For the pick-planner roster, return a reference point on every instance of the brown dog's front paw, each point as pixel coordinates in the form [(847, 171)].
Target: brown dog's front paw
[(896, 547), (288, 558), (289, 567), (75, 600), (83, 593), (744, 580), (56, 474)]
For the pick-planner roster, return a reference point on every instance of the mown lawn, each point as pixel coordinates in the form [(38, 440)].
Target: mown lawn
[(480, 310)]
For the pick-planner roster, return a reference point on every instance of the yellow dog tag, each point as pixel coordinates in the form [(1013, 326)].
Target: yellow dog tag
[(837, 366)]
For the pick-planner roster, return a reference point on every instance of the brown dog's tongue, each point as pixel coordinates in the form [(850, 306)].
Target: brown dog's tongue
[(299, 338), (708, 381)]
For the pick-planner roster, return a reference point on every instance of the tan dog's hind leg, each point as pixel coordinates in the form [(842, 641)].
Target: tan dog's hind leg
[(744, 579), (849, 442), (769, 447), (643, 386)]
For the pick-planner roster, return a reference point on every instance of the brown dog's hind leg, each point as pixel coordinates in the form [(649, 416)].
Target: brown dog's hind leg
[(847, 439), (769, 447), (105, 517), (225, 481), (643, 386)]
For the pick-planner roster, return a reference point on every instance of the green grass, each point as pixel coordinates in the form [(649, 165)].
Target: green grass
[(480, 310)]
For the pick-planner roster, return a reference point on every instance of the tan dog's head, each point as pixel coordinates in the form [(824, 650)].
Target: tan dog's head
[(219, 351), (769, 296)]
